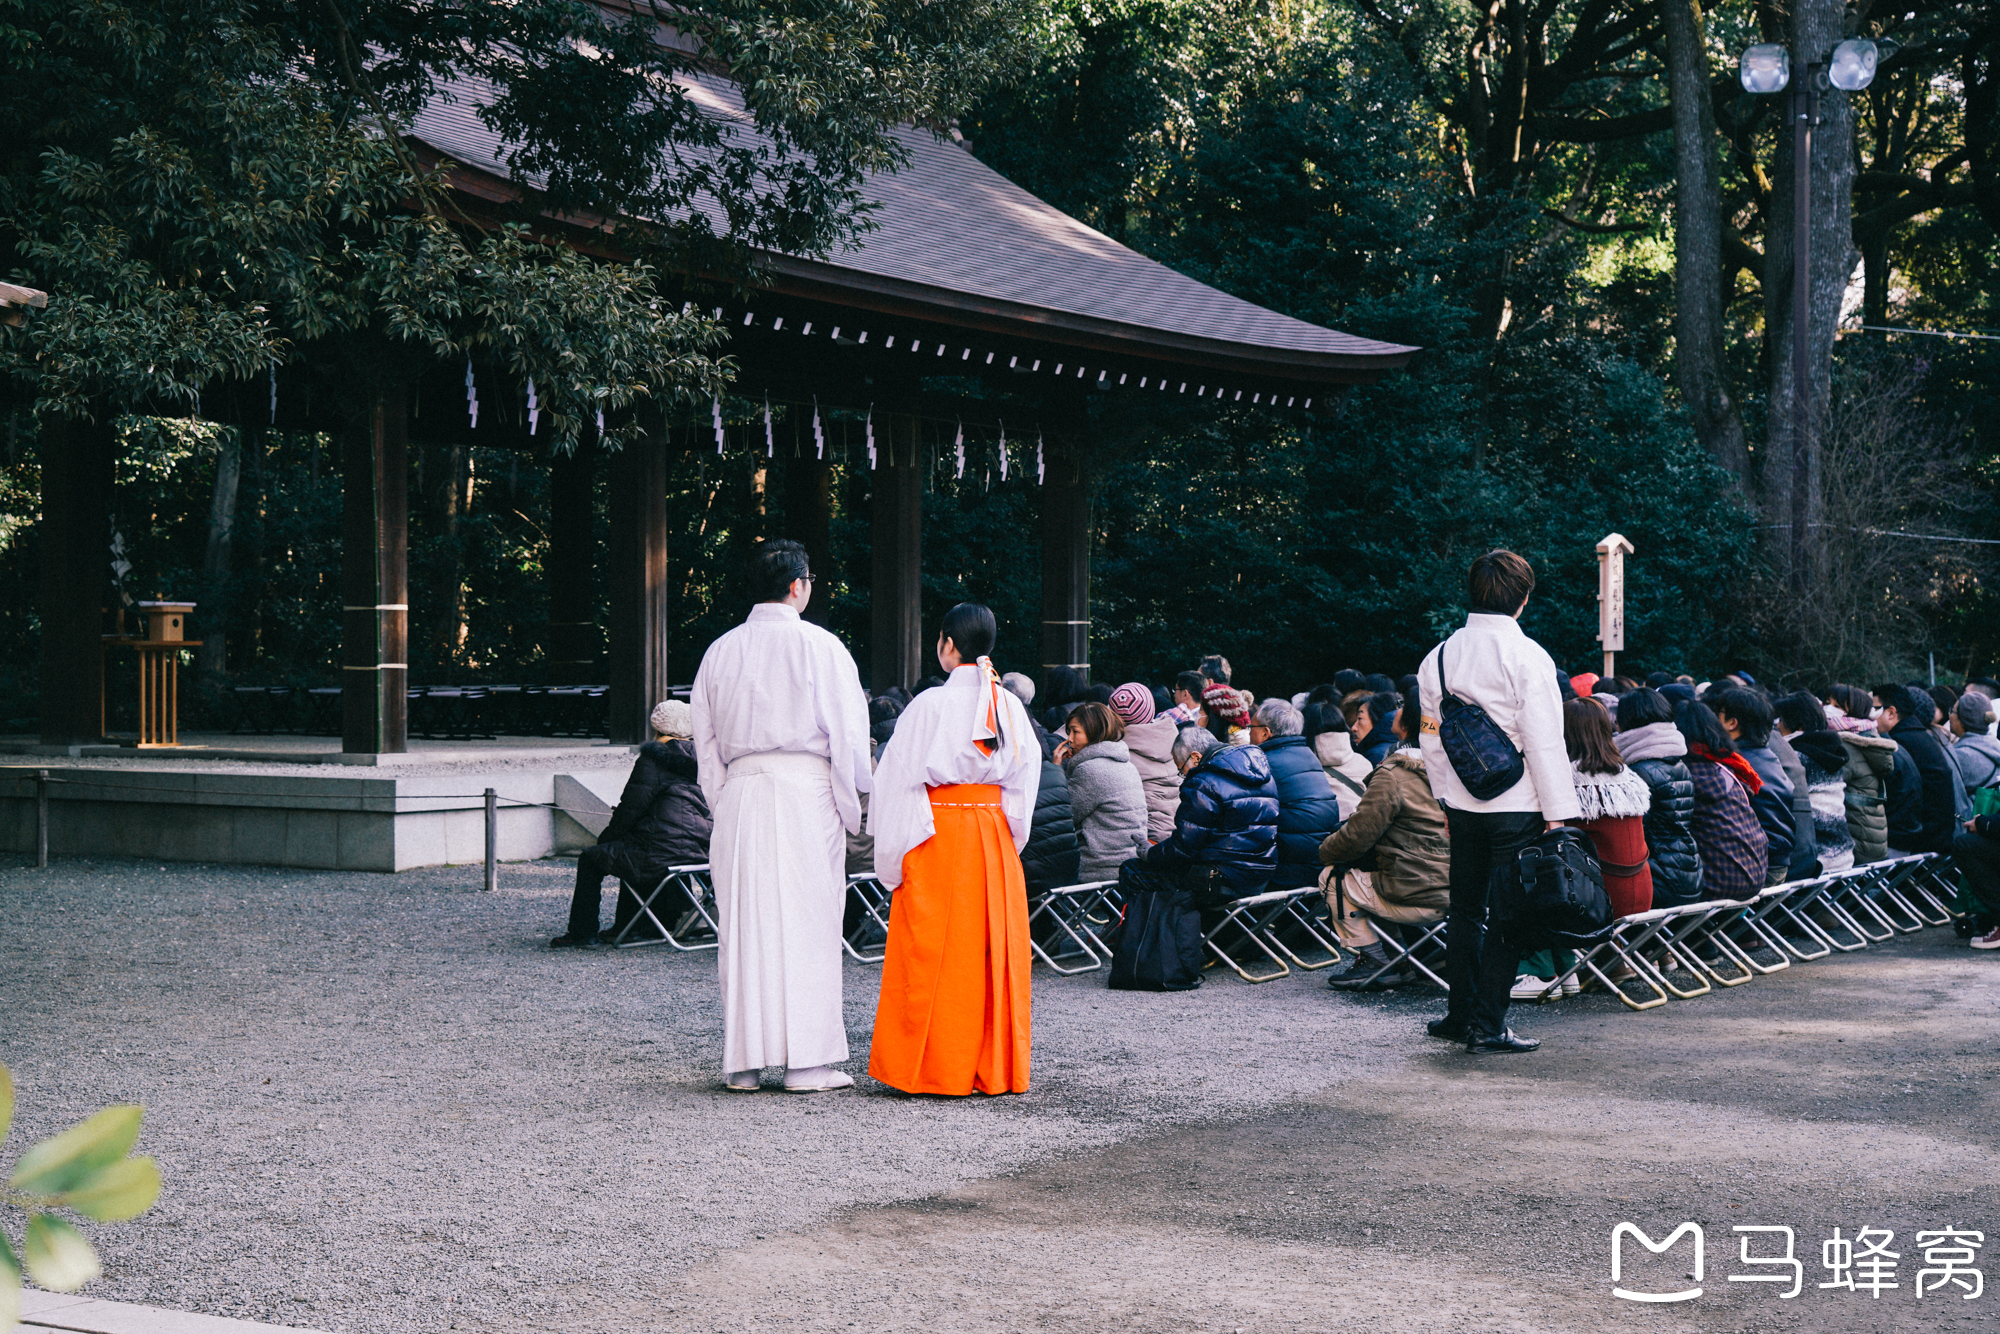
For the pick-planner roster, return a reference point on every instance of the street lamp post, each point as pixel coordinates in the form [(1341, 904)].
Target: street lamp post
[(1765, 70)]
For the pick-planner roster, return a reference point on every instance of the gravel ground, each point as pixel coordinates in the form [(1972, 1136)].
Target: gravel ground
[(381, 1105)]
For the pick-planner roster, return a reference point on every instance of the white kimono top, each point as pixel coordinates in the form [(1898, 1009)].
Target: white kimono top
[(777, 682), (933, 747)]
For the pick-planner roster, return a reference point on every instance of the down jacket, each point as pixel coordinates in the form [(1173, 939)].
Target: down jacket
[(1227, 820), (1401, 823), (1108, 804), (1657, 752), (1773, 804), (1050, 859), (1871, 760), (1152, 747), (1307, 809), (662, 819)]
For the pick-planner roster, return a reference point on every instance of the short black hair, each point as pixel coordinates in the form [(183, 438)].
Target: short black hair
[(1323, 717), (773, 566), (1192, 682), (1638, 708), (1379, 683), (1801, 711), (1347, 681), (1654, 680), (971, 629), (1215, 668), (1899, 698), (1324, 694), (1749, 708), (1499, 582)]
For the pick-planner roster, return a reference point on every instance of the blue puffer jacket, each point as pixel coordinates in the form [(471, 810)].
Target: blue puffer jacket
[(1228, 819), (1307, 811)]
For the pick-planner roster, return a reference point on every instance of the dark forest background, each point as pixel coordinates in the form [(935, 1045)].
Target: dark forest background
[(1319, 159)]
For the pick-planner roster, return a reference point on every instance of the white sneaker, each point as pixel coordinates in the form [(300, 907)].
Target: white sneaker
[(1572, 985), (817, 1079), (1989, 941), (1529, 987)]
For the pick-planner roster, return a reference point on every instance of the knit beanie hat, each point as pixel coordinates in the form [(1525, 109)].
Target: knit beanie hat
[(1133, 703), (1225, 703), (673, 718), (1975, 711)]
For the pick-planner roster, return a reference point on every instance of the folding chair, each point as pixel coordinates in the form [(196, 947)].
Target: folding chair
[(1061, 932), (1629, 937), (1411, 946), (1820, 899), (1853, 900), (1775, 910), (1932, 891), (1903, 887), (1242, 929), (1299, 923), (1750, 918), (867, 940), (695, 928)]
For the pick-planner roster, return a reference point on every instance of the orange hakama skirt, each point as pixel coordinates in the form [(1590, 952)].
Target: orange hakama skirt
[(953, 1017)]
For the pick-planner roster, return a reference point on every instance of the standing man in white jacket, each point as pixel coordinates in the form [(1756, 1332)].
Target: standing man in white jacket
[(1490, 663)]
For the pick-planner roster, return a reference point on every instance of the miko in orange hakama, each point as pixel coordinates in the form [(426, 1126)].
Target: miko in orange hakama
[(953, 800)]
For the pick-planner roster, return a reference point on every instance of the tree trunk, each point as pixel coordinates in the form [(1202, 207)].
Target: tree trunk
[(1699, 362), (213, 653), (1792, 455)]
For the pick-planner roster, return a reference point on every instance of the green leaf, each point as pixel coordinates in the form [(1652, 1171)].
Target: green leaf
[(58, 1257), (71, 1158), (6, 1113), (10, 1286), (123, 1190)]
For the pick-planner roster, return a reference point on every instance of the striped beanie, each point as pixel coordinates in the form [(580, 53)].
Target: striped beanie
[(1133, 703)]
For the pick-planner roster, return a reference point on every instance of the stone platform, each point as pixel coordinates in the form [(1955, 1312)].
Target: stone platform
[(287, 801)]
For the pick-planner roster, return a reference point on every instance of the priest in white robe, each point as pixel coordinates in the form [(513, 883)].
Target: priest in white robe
[(781, 738), (954, 798)]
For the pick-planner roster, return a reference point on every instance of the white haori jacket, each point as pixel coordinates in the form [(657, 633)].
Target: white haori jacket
[(1491, 663), (933, 747)]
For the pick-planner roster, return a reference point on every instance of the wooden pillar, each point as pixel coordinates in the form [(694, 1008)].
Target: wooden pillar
[(809, 522), (75, 555), (1066, 563), (374, 579), (896, 640), (637, 620), (571, 647)]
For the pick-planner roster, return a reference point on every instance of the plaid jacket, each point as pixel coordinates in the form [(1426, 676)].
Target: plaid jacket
[(1732, 843)]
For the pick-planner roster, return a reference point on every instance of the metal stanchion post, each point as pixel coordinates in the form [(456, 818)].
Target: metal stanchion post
[(42, 819), (492, 840)]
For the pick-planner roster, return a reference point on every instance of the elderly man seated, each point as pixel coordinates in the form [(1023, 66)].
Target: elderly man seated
[(1308, 811), (1392, 859), (661, 821), (1225, 839)]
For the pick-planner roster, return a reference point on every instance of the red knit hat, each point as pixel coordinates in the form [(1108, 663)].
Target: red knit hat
[(1225, 703)]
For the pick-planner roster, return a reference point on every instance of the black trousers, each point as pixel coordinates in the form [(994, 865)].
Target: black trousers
[(1479, 963), (593, 864), (1979, 858)]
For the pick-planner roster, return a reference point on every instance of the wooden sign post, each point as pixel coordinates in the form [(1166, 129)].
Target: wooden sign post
[(1611, 554)]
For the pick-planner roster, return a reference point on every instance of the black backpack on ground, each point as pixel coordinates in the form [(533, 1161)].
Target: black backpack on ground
[(1551, 896), (1482, 756), (1159, 944)]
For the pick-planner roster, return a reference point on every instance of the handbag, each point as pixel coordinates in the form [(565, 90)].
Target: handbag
[(1482, 756), (1159, 945), (1551, 896)]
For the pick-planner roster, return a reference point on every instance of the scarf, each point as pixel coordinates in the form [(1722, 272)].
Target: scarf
[(1733, 762), (1653, 741)]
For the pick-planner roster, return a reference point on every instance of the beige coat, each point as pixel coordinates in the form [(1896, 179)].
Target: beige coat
[(1402, 823), (1347, 771), (1152, 747)]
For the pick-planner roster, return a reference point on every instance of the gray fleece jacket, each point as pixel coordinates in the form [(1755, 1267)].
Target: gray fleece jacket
[(1108, 802)]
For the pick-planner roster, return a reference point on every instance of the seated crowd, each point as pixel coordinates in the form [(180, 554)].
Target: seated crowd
[(1688, 791)]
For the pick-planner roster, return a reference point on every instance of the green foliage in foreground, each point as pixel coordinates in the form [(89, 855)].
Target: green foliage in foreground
[(86, 1170)]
